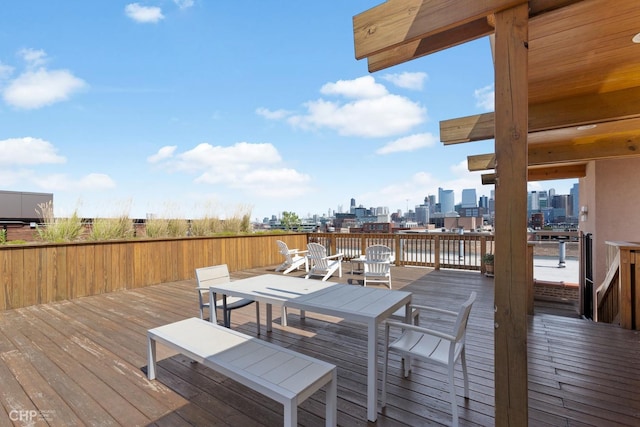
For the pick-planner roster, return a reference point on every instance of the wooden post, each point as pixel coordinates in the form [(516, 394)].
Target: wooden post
[(626, 301), (438, 242), (530, 280), (483, 251), (511, 128), (635, 262)]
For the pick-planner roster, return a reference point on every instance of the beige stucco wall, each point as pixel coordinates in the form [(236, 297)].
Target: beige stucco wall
[(611, 192)]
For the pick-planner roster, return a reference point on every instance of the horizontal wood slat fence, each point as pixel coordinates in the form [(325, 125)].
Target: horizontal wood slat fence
[(38, 274), (43, 273)]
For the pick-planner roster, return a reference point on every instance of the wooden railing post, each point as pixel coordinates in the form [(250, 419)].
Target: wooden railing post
[(530, 282), (483, 251), (333, 244), (437, 253), (397, 249), (625, 295), (635, 271)]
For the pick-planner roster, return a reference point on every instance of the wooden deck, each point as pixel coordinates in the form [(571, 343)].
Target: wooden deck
[(83, 362)]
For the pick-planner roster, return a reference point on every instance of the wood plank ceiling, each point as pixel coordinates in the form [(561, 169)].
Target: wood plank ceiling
[(584, 73)]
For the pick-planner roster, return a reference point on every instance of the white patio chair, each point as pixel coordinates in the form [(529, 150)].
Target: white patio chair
[(399, 315), (433, 346), (213, 275), (321, 264), (293, 258), (377, 265)]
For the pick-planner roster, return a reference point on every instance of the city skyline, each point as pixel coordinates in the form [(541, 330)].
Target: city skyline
[(345, 208)]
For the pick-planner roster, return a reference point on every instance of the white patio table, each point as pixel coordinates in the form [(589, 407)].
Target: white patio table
[(354, 303)]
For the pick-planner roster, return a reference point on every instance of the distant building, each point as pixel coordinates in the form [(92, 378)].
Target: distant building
[(447, 200), (423, 212), (575, 201), (343, 220), (20, 211), (469, 198), (377, 227), (21, 206)]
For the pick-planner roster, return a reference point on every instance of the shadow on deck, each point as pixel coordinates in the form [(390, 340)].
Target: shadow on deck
[(83, 362)]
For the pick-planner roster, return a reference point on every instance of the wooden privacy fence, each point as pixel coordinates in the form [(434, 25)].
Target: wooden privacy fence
[(43, 273), (618, 297)]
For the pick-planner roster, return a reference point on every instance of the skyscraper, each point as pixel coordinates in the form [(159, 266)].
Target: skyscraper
[(483, 202), (422, 212), (575, 201), (469, 198), (446, 200)]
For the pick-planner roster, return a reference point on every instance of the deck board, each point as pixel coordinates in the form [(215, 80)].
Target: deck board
[(83, 361)]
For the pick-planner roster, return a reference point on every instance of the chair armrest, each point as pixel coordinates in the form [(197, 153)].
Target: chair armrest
[(434, 309), (336, 256), (408, 326), (297, 252), (199, 288)]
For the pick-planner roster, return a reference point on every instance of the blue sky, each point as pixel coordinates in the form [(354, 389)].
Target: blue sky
[(186, 108)]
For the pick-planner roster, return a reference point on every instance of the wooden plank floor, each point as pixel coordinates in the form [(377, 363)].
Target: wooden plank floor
[(83, 362)]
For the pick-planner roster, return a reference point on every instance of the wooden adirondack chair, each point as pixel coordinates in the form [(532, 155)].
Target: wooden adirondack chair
[(322, 264), (293, 258), (377, 265)]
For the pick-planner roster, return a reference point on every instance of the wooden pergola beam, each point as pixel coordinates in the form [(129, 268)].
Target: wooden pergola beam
[(571, 151), (545, 174), (425, 46), (478, 127), (571, 112), (481, 162), (557, 172), (397, 22), (401, 30)]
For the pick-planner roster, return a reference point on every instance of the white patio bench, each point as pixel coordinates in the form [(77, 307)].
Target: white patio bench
[(281, 374)]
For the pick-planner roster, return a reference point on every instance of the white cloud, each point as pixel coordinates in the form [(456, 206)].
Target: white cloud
[(406, 80), (273, 114), (162, 154), (28, 151), (485, 98), (238, 157), (362, 87), (249, 167), (371, 112), (33, 58), (371, 117), (409, 143), (183, 4), (36, 89), (143, 14), (269, 183)]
